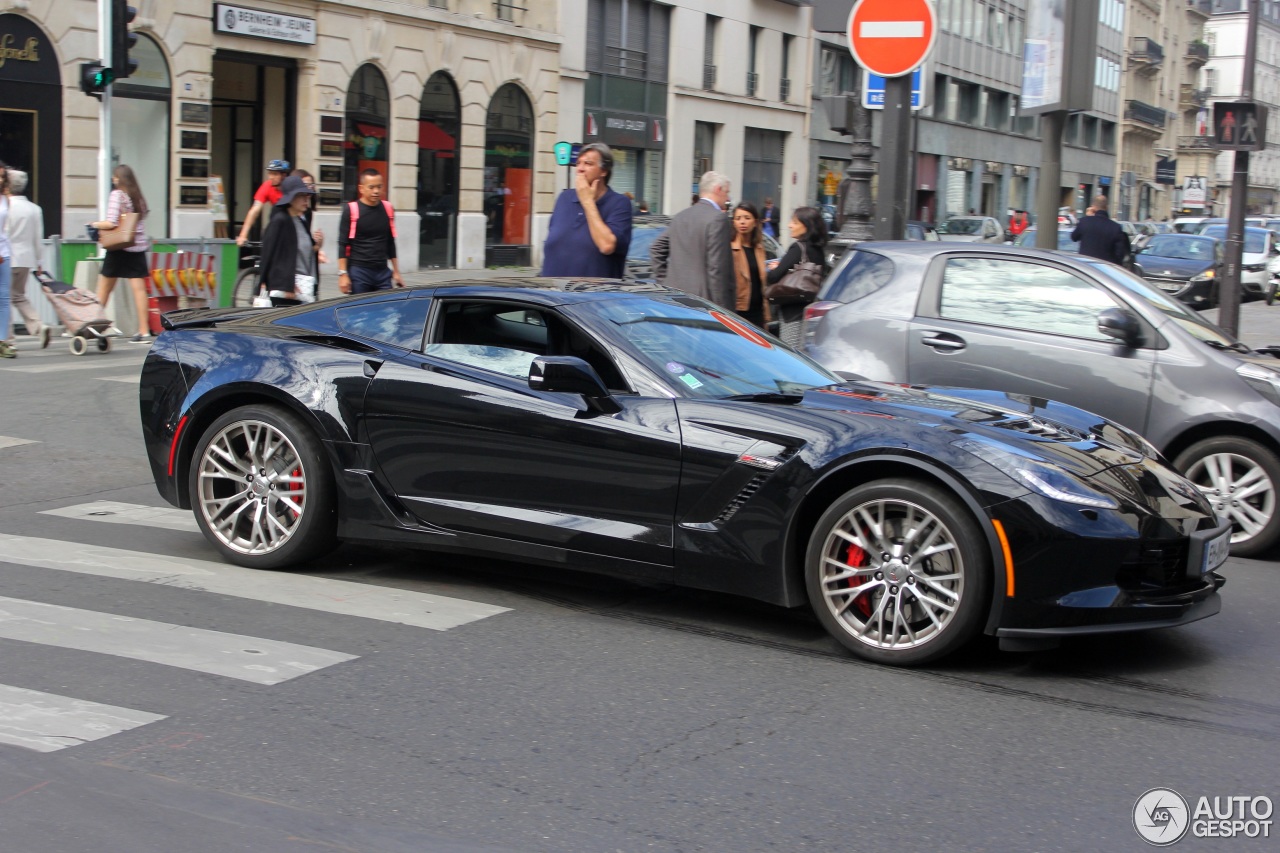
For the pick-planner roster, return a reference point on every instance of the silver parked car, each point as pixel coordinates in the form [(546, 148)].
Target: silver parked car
[(971, 229), (1048, 325)]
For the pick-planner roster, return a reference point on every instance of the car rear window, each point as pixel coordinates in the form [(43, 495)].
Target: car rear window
[(861, 275)]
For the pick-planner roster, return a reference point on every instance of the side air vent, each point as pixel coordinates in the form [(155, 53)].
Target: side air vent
[(748, 491)]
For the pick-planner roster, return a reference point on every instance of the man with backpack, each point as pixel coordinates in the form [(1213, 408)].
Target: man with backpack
[(367, 240)]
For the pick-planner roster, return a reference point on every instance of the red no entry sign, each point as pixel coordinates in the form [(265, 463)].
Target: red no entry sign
[(892, 37)]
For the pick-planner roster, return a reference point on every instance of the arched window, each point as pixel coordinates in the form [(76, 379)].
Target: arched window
[(439, 122), (368, 117), (140, 130), (31, 113), (508, 176)]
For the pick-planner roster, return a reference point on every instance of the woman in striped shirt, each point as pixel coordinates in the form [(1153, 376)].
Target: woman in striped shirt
[(129, 261)]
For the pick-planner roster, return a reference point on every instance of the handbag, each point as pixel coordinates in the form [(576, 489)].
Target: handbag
[(122, 236), (799, 286)]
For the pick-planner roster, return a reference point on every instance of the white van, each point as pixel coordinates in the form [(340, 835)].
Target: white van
[(1188, 224)]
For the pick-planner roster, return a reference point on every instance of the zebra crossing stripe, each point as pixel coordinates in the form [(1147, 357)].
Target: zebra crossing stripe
[(47, 722), (115, 512), (347, 598), (77, 364), (232, 655), (10, 441)]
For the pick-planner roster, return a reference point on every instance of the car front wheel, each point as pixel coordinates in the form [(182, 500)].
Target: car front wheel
[(1240, 477), (898, 572), (262, 490)]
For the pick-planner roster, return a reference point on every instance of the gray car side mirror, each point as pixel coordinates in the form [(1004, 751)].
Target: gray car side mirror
[(1121, 325), (571, 375)]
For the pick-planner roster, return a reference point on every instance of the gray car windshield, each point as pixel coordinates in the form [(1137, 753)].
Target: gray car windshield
[(1255, 239), (960, 226), (706, 351), (1173, 309), (1181, 247)]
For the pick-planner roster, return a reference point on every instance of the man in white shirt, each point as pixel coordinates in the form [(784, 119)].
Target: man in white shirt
[(26, 231)]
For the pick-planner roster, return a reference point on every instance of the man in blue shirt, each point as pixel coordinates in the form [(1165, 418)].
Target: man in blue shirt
[(590, 228)]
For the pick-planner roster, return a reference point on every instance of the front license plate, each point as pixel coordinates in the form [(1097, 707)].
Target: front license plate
[(1215, 552)]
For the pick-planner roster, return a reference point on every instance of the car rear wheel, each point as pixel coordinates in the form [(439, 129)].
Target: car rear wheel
[(1240, 478), (898, 572), (262, 490)]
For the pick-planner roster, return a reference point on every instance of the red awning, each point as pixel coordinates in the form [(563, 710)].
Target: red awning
[(432, 137)]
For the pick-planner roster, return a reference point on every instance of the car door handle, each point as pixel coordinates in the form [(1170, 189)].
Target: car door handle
[(945, 343), (371, 368)]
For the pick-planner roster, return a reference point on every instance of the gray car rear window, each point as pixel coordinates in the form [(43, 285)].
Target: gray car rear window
[(864, 274)]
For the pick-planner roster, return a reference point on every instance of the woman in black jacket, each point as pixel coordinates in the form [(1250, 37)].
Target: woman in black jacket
[(809, 231), (288, 249)]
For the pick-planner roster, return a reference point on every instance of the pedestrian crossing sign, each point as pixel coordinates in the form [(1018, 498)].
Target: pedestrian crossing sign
[(1239, 126)]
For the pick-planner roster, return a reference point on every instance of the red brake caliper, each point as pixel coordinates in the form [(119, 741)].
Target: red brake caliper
[(296, 486), (857, 558)]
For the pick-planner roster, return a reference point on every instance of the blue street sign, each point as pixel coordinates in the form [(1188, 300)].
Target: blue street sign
[(873, 90)]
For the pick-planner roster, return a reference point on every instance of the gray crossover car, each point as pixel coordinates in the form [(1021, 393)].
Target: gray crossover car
[(1046, 325)]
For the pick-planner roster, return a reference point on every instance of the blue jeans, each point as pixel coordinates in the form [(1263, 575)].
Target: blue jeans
[(368, 279), (6, 313)]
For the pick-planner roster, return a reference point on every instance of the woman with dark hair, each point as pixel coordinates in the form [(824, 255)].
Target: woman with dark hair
[(6, 267), (288, 248), (749, 259), (128, 261), (317, 234), (809, 231), (590, 230)]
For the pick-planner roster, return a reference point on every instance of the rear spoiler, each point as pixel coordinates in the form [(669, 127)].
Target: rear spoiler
[(199, 318)]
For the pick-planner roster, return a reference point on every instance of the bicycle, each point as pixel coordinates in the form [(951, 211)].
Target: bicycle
[(246, 286)]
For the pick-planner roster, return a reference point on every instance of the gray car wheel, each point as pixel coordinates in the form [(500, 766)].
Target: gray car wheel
[(262, 490), (898, 572), (1240, 477)]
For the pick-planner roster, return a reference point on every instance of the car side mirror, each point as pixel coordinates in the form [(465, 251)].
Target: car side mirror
[(1121, 325), (571, 375)]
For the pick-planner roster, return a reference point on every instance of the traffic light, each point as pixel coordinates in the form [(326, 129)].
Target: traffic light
[(122, 14), (94, 78), (1239, 126)]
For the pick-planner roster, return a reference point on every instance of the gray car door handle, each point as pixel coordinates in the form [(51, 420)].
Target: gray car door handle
[(949, 343)]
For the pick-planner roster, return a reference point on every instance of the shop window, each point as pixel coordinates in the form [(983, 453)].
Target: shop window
[(439, 122), (508, 176), (368, 117), (140, 129)]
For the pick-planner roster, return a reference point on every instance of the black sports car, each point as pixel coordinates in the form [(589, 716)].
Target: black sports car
[(637, 431)]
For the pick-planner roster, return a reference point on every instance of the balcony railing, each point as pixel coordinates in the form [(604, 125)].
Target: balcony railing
[(1202, 7), (708, 76), (1200, 142), (1189, 96), (1145, 113), (1198, 51), (1146, 50)]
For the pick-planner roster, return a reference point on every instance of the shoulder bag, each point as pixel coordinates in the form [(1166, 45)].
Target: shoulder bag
[(122, 236), (799, 286)]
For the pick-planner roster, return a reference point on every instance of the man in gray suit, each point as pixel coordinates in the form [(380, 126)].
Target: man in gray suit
[(694, 254)]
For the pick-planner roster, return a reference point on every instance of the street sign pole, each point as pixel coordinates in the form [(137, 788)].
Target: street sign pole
[(1048, 198), (892, 202), (104, 111), (1229, 288)]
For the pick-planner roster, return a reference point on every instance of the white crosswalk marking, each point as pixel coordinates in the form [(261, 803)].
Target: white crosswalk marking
[(115, 512), (77, 364), (405, 607), (47, 722), (232, 655), (9, 441), (132, 380)]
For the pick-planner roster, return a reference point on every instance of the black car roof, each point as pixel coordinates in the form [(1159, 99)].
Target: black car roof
[(552, 291)]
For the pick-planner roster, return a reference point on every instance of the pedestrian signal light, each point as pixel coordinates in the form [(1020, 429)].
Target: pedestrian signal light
[(94, 78), (1239, 126), (122, 40)]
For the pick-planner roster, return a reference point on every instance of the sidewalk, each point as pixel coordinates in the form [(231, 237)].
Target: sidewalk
[(1259, 323)]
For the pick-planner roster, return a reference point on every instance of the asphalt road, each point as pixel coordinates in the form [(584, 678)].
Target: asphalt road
[(588, 715)]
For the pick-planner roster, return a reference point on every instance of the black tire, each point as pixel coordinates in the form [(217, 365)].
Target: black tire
[(263, 510), (1241, 479), (104, 344), (246, 288), (1269, 290), (958, 576)]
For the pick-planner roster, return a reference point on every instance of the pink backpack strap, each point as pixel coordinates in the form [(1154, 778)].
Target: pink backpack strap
[(391, 216)]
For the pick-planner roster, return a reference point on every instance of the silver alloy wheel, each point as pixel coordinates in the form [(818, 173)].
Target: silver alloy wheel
[(252, 487), (892, 574), (1239, 489)]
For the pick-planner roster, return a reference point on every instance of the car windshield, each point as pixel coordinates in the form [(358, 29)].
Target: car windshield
[(960, 226), (1065, 243), (707, 351), (641, 239), (1255, 239), (1173, 309), (1181, 246)]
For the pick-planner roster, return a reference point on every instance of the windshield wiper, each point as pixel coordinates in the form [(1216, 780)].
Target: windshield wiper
[(1233, 347), (767, 397)]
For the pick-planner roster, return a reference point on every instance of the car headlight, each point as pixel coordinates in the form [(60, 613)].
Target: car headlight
[(1265, 382), (1207, 275), (1040, 477)]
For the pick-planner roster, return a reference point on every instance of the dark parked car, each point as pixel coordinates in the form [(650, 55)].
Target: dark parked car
[(634, 430), (1058, 326), (1186, 266)]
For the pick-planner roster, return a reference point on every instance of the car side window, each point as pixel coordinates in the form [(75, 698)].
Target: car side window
[(861, 275), (1020, 295), (399, 323)]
